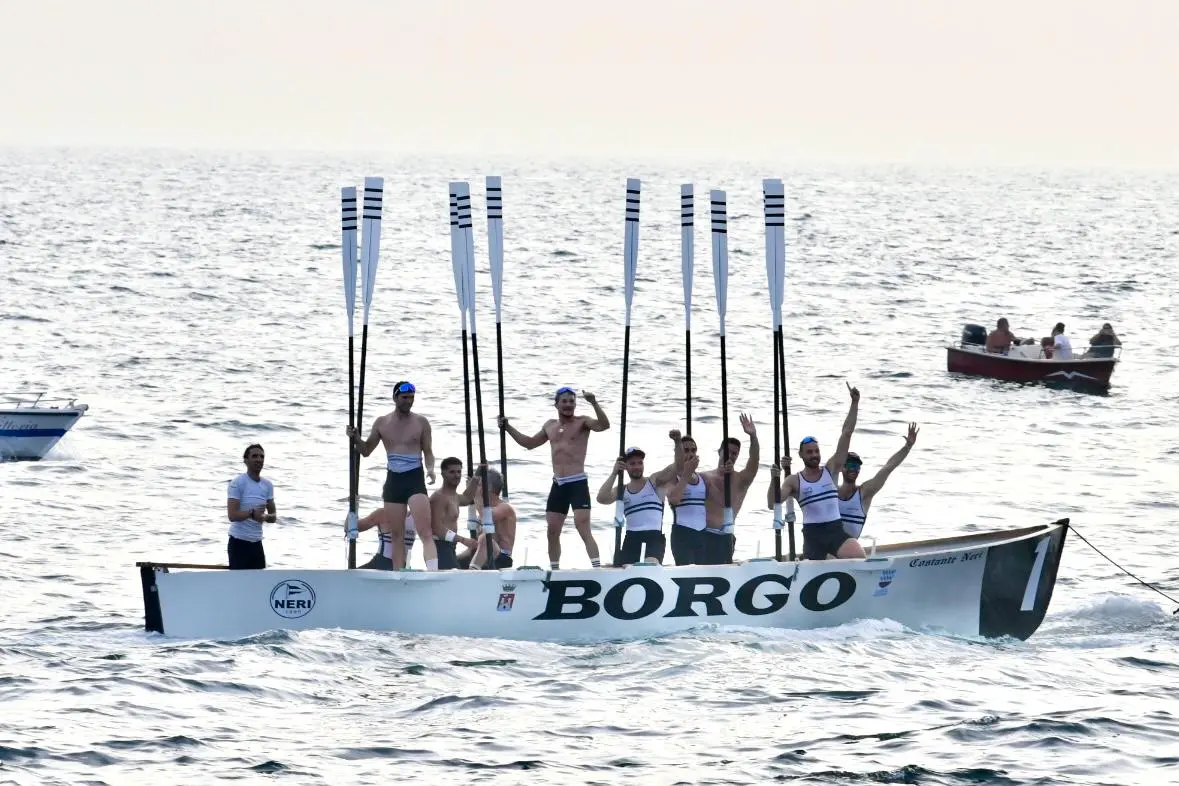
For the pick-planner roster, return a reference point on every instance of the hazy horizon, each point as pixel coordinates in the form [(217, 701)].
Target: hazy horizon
[(905, 81)]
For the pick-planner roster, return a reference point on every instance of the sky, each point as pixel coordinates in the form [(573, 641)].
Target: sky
[(1039, 82)]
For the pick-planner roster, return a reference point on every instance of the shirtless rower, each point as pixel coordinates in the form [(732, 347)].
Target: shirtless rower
[(444, 510), (818, 497), (568, 434), (407, 437), (643, 502), (718, 546), (854, 500), (503, 515)]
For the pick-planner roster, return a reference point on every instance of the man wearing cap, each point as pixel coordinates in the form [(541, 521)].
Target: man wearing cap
[(817, 494), (568, 436), (854, 500), (407, 437), (642, 502)]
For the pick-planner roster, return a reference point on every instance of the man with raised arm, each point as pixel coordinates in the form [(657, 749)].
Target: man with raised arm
[(407, 437), (568, 434), (717, 546), (854, 500), (642, 502), (818, 494)]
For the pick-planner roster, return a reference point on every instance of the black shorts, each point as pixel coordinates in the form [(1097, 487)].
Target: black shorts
[(687, 545), (716, 548), (246, 554), (446, 556), (400, 486), (502, 561), (633, 542), (819, 540), (574, 495)]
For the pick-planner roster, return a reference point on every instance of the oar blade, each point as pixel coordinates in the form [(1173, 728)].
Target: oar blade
[(456, 255), (370, 245), (687, 246), (775, 216), (495, 240), (631, 245), (720, 252), (467, 242), (348, 224)]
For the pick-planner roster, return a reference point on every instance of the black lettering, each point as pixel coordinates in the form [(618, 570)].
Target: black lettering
[(809, 596), (559, 598), (743, 600), (689, 593), (652, 599)]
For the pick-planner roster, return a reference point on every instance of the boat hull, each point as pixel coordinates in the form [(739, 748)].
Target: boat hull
[(1090, 372), (989, 585), (29, 433)]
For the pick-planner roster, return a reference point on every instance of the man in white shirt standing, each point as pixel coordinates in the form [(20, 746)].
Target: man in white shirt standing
[(1062, 347), (251, 502)]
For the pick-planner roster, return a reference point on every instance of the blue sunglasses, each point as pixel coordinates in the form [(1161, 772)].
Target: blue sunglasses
[(806, 441), (403, 387), (563, 391)]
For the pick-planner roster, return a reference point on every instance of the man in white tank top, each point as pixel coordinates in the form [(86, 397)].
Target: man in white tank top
[(688, 497), (854, 500), (817, 494), (642, 502)]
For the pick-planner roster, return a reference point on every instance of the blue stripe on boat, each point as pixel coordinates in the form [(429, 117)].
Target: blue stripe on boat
[(32, 432)]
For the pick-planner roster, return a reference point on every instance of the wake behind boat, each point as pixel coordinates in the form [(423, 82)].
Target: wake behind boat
[(990, 584), (31, 424)]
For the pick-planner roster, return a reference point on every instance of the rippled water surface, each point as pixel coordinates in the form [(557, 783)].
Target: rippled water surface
[(194, 302)]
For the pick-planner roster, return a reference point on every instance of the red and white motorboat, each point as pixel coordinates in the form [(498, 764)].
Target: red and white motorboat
[(1027, 363)]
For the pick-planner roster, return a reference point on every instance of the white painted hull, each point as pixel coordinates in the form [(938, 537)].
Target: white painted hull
[(989, 585), (28, 433)]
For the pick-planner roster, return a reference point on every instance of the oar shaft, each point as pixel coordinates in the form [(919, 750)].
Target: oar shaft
[(630, 255)]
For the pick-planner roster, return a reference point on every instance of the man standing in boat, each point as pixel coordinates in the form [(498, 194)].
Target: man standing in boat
[(717, 546), (503, 515), (444, 510), (568, 434), (688, 497), (818, 495), (854, 500), (407, 437), (642, 502), (250, 504)]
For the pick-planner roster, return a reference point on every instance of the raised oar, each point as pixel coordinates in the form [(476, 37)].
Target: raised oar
[(630, 261), (370, 252), (720, 276), (780, 247), (495, 252), (774, 200), (464, 216), (458, 264), (348, 229), (687, 243)]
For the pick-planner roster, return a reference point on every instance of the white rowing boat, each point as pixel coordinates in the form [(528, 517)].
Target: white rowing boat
[(991, 585), (31, 424)]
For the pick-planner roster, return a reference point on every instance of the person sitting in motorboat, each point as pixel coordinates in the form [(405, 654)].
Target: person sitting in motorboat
[(1001, 338), (1103, 342), (1062, 347), (1046, 348)]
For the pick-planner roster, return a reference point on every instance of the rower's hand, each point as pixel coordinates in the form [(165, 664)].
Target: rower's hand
[(503, 422), (747, 424), (430, 476), (727, 468), (909, 440), (619, 466), (590, 398), (350, 430), (855, 392), (675, 435), (691, 464)]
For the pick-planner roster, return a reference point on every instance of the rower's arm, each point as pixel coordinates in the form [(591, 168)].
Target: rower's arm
[(752, 464), (470, 493), (845, 436), (600, 421), (507, 528), (428, 445), (528, 443), (676, 493), (787, 490), (367, 446), (233, 506), (607, 493), (271, 511), (869, 488)]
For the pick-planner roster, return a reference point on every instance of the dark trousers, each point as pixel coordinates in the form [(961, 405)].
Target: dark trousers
[(246, 554)]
